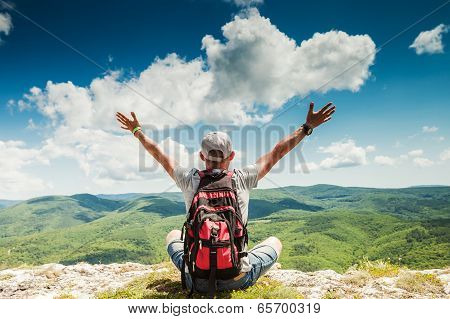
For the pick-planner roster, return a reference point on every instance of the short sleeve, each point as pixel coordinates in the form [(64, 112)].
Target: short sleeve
[(248, 176), (183, 177)]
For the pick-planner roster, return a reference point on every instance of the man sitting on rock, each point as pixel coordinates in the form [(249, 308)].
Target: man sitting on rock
[(225, 229)]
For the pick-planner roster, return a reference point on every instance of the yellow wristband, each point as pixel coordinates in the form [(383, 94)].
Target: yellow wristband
[(137, 128)]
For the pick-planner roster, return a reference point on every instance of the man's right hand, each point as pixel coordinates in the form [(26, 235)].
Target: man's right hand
[(128, 124), (158, 154)]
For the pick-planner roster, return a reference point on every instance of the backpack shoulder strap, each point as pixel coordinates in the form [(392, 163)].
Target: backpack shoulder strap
[(201, 174), (233, 181)]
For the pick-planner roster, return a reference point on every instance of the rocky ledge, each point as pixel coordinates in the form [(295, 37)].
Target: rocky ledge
[(87, 281)]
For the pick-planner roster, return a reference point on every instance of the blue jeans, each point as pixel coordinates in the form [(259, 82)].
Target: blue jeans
[(261, 258)]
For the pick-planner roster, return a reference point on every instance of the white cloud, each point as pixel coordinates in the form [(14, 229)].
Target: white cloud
[(445, 155), (404, 157), (5, 24), (370, 148), (256, 64), (14, 158), (429, 129), (307, 167), (101, 155), (15, 154), (259, 64), (245, 3), (415, 157), (385, 160), (106, 157), (430, 41), (343, 154), (415, 153), (177, 86), (422, 162)]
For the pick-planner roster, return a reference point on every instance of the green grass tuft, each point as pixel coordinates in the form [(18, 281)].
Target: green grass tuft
[(6, 276), (357, 278), (420, 283), (267, 288), (379, 268), (331, 294)]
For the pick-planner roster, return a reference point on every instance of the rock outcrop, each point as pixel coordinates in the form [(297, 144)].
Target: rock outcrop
[(360, 284), (86, 281)]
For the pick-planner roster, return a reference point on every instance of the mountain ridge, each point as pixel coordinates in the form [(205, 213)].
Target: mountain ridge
[(321, 227), (121, 196)]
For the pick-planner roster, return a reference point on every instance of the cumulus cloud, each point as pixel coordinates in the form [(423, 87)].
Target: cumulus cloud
[(259, 64), (385, 160), (422, 162), (342, 154), (416, 157), (178, 86), (14, 157), (430, 41), (370, 148), (311, 166), (241, 80), (415, 153), (5, 24), (179, 89), (429, 129), (445, 155), (107, 157)]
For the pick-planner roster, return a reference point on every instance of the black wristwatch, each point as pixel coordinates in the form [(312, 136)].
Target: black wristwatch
[(307, 129)]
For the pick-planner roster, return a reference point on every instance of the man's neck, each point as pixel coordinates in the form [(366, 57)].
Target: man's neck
[(222, 166)]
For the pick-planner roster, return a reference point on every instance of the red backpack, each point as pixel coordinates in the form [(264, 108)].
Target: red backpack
[(215, 236)]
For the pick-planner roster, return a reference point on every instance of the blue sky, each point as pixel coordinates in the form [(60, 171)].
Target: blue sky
[(390, 130)]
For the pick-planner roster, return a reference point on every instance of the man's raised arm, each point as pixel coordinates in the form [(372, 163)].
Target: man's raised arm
[(313, 119), (134, 127)]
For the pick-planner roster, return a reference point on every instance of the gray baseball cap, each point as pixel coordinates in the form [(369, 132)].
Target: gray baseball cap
[(216, 141)]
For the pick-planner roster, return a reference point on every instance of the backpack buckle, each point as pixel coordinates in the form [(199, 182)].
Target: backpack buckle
[(214, 233), (214, 229)]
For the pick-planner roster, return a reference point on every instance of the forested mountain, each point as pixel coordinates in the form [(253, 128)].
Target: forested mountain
[(321, 226)]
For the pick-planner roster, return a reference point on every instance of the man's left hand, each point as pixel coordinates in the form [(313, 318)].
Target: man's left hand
[(314, 119)]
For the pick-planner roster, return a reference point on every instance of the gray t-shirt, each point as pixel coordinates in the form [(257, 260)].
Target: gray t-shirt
[(187, 179)]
